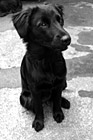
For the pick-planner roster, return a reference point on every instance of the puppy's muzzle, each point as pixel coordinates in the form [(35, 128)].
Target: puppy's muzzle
[(61, 41), (66, 39)]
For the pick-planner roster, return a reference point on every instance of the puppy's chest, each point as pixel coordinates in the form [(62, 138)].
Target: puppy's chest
[(43, 70), (47, 74), (48, 70)]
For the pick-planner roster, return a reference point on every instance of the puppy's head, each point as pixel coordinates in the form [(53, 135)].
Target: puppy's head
[(43, 25)]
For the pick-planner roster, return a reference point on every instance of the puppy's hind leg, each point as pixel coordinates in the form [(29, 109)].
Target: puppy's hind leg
[(25, 97), (65, 103)]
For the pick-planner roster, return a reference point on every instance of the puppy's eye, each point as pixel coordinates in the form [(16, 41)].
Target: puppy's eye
[(42, 24)]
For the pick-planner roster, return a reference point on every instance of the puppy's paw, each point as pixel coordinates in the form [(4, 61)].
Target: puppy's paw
[(25, 100), (65, 103), (58, 116), (38, 124)]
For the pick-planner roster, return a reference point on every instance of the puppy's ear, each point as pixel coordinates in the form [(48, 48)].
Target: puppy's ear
[(59, 8), (21, 21)]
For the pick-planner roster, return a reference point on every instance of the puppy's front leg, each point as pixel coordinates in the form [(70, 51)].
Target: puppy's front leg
[(57, 111), (38, 122)]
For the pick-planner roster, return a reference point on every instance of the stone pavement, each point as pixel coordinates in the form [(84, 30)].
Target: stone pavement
[(15, 121)]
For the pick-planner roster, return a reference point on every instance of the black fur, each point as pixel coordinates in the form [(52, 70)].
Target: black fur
[(43, 69)]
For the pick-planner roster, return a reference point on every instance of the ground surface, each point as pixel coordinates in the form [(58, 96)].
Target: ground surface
[(15, 121)]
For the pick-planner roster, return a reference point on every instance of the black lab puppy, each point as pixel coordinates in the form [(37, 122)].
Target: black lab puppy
[(43, 69)]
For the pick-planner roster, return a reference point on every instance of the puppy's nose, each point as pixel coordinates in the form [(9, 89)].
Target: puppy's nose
[(66, 39)]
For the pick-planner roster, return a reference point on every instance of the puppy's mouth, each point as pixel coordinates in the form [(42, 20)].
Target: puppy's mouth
[(59, 46), (52, 45), (63, 48)]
